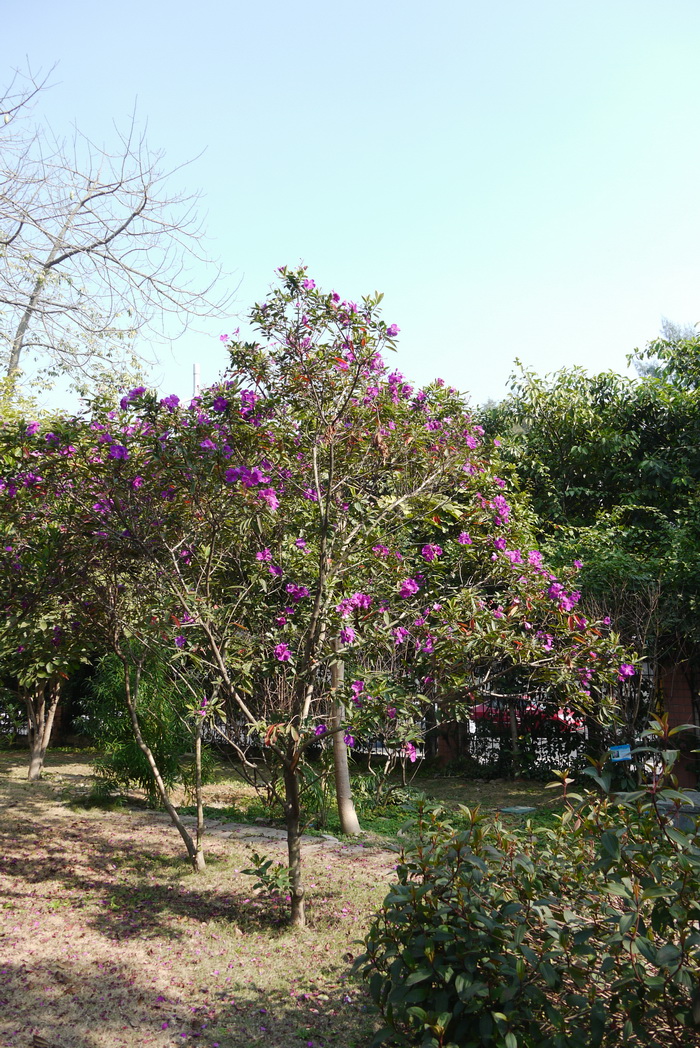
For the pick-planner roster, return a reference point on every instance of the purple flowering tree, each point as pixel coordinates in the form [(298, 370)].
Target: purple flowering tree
[(314, 512)]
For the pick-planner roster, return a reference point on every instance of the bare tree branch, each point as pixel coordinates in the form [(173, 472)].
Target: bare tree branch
[(94, 245)]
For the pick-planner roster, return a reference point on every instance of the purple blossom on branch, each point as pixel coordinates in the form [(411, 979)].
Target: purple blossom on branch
[(118, 451), (282, 653), (408, 587), (357, 600), (269, 496), (296, 592), (131, 395)]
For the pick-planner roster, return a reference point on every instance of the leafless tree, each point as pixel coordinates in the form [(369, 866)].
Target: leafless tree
[(94, 245)]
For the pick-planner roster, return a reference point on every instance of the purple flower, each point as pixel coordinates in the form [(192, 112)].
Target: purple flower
[(464, 538), (132, 395), (357, 600), (275, 570), (409, 750), (381, 551), (207, 444), (269, 496), (431, 551), (170, 402), (391, 712), (224, 338), (347, 635), (357, 687), (32, 427), (320, 729), (180, 641), (220, 404), (349, 740), (282, 653), (626, 671), (137, 483), (296, 592), (300, 544), (408, 587), (308, 284), (263, 554), (118, 451), (392, 331), (400, 634), (310, 494)]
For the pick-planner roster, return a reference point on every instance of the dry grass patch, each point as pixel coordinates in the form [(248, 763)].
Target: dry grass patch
[(109, 940)]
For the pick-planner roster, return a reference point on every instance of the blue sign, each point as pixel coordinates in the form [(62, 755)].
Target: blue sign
[(621, 753)]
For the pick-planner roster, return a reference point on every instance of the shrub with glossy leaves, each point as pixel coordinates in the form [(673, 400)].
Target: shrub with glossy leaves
[(576, 937)]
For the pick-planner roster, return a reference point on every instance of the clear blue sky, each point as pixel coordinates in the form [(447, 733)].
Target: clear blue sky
[(519, 178)]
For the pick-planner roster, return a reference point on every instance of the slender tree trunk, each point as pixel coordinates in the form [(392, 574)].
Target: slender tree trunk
[(514, 742), (349, 823), (199, 863), (292, 811), (40, 718), (131, 697)]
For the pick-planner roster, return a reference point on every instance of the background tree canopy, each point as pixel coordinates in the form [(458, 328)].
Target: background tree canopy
[(612, 468)]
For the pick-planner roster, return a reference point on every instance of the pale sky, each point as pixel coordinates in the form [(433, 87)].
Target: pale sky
[(519, 178)]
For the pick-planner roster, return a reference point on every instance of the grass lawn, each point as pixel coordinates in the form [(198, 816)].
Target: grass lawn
[(108, 940)]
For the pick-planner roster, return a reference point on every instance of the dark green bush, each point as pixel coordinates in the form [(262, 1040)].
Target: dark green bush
[(162, 713), (580, 936)]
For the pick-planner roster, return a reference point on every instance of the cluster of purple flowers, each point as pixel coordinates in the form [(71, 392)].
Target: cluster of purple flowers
[(296, 592), (408, 587), (131, 395), (348, 604), (566, 601)]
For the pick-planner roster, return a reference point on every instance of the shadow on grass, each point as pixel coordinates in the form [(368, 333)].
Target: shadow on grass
[(82, 1004)]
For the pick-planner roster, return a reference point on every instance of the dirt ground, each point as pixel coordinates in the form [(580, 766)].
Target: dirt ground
[(107, 940)]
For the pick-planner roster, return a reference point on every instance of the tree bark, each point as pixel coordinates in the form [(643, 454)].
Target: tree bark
[(515, 744), (40, 718), (292, 811), (199, 863), (349, 823)]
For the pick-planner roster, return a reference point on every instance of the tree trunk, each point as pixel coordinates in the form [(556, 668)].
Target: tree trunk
[(131, 697), (514, 742), (199, 863), (40, 718), (349, 823), (292, 811)]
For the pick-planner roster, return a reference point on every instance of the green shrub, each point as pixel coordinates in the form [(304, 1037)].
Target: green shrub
[(580, 936), (162, 717)]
